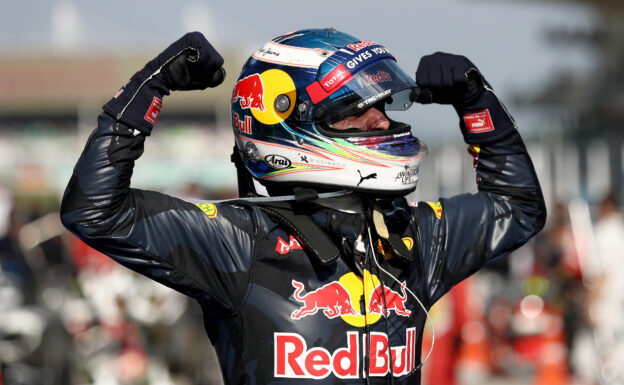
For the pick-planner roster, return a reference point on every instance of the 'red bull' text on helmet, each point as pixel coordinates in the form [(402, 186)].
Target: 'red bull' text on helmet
[(294, 87)]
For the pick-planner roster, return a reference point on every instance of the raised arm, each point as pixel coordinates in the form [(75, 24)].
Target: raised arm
[(180, 244), (465, 232)]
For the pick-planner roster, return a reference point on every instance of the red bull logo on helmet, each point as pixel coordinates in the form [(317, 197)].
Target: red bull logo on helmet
[(249, 92), (357, 300), (362, 44)]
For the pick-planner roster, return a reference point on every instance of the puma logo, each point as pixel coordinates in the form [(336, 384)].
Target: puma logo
[(363, 178)]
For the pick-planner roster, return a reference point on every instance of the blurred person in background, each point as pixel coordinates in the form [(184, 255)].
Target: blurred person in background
[(13, 265), (31, 335), (329, 274), (606, 296)]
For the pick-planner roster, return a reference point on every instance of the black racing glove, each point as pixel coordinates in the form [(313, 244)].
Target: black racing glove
[(453, 79), (190, 63)]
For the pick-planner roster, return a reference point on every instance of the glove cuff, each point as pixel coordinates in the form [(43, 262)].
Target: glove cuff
[(484, 119), (139, 102)]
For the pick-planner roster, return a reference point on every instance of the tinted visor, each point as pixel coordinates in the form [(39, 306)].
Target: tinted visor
[(380, 80)]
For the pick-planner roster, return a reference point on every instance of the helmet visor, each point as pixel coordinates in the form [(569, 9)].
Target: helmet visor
[(382, 80)]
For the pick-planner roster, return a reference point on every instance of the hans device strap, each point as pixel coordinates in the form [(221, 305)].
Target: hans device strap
[(313, 238)]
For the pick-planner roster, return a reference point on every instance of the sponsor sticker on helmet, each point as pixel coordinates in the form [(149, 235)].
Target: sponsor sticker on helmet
[(378, 77), (478, 121), (242, 126), (407, 176), (374, 98), (277, 162), (344, 71), (335, 78), (365, 177), (259, 92), (282, 54), (361, 45), (365, 57), (249, 92)]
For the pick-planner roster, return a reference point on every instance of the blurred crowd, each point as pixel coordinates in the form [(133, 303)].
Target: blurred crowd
[(70, 315), (550, 314)]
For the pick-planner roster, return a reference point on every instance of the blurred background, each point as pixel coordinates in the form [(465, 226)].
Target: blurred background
[(552, 313)]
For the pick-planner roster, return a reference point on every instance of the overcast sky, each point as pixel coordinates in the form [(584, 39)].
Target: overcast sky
[(504, 38)]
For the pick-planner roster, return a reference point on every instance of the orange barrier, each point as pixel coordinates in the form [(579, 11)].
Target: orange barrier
[(551, 364)]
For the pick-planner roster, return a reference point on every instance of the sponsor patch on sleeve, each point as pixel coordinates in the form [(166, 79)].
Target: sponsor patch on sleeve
[(208, 208), (437, 208), (478, 122), (154, 110)]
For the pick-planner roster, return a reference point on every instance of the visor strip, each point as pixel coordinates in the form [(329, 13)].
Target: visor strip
[(339, 76)]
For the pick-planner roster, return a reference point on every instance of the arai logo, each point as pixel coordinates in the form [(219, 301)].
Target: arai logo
[(277, 161)]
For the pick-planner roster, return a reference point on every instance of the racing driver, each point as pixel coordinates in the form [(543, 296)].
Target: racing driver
[(322, 272)]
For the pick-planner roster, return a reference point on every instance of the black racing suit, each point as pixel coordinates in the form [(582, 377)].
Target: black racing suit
[(277, 315)]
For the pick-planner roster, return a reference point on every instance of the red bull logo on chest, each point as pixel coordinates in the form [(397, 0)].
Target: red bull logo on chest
[(357, 300), (383, 299), (332, 299)]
